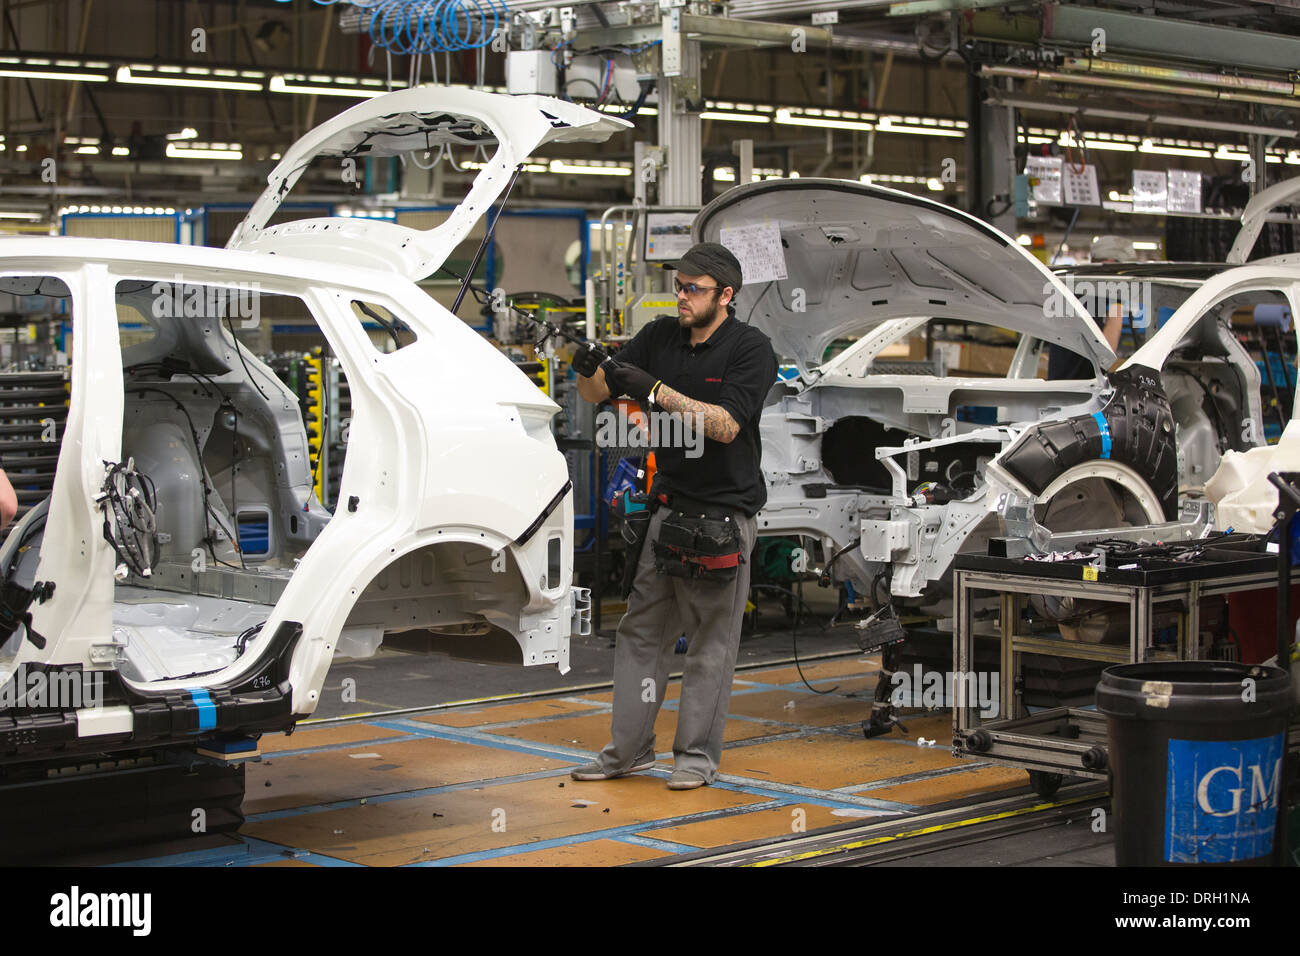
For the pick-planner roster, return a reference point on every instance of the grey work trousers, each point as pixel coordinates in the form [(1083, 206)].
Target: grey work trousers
[(659, 610)]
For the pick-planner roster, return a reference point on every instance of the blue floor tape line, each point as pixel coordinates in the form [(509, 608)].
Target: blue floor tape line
[(465, 736), (326, 748), (817, 798), (203, 857), (612, 833), (263, 851), (658, 844)]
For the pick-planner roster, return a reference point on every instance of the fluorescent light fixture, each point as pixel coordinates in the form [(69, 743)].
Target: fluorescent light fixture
[(1110, 144), (1144, 244), (175, 151), (27, 216), (88, 150), (560, 166), (933, 185), (20, 148), (1149, 146), (736, 117), (121, 151), (125, 75), (887, 125), (282, 84), (1024, 240), (75, 76), (896, 178), (188, 132), (786, 118), (643, 111), (528, 167), (1224, 152)]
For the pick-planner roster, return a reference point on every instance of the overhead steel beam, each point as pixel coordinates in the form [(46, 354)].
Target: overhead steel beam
[(1143, 86), (1054, 105), (1165, 74), (1167, 37), (921, 8), (712, 30)]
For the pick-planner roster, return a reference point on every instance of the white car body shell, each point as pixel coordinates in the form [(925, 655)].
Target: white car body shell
[(875, 263), (450, 444)]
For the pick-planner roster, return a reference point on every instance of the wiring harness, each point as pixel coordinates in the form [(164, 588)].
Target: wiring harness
[(129, 503)]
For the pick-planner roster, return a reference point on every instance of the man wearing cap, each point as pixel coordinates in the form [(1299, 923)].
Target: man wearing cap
[(715, 371)]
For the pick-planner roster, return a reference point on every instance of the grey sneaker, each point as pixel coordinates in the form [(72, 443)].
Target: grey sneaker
[(685, 780), (594, 771)]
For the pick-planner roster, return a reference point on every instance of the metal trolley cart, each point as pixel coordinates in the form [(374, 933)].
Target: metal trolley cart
[(1071, 741)]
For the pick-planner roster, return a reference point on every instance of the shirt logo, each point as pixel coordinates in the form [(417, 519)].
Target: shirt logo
[(713, 380)]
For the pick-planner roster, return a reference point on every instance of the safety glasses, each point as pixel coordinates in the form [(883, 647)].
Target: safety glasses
[(691, 289)]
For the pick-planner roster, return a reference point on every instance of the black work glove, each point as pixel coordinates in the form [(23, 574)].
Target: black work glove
[(587, 359), (628, 380)]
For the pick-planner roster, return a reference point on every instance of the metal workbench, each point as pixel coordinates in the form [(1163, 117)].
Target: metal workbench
[(1070, 741)]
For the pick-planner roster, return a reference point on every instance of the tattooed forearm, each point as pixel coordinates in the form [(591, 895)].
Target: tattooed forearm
[(718, 423)]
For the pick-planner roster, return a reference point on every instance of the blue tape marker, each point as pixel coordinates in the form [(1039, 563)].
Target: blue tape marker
[(1105, 433), (207, 708)]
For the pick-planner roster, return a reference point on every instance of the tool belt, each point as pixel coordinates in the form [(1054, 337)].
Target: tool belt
[(698, 541)]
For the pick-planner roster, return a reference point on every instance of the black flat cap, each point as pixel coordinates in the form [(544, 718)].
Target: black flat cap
[(710, 259)]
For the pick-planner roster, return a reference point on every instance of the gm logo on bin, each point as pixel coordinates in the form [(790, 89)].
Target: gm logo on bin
[(1221, 799)]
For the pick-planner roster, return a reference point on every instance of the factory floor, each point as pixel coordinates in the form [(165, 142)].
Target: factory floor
[(486, 782)]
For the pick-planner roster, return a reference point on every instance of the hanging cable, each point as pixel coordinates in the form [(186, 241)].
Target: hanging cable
[(419, 27)]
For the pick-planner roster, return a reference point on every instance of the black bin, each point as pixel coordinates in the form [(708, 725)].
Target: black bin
[(1196, 763)]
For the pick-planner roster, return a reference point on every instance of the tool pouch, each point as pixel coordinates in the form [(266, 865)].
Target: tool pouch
[(633, 508), (698, 546)]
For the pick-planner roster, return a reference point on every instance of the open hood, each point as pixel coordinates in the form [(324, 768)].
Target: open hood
[(858, 255), (414, 121)]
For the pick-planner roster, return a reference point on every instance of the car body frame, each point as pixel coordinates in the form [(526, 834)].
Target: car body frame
[(894, 466), (455, 511)]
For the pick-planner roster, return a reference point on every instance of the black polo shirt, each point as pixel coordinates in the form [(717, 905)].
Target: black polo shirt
[(734, 368)]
